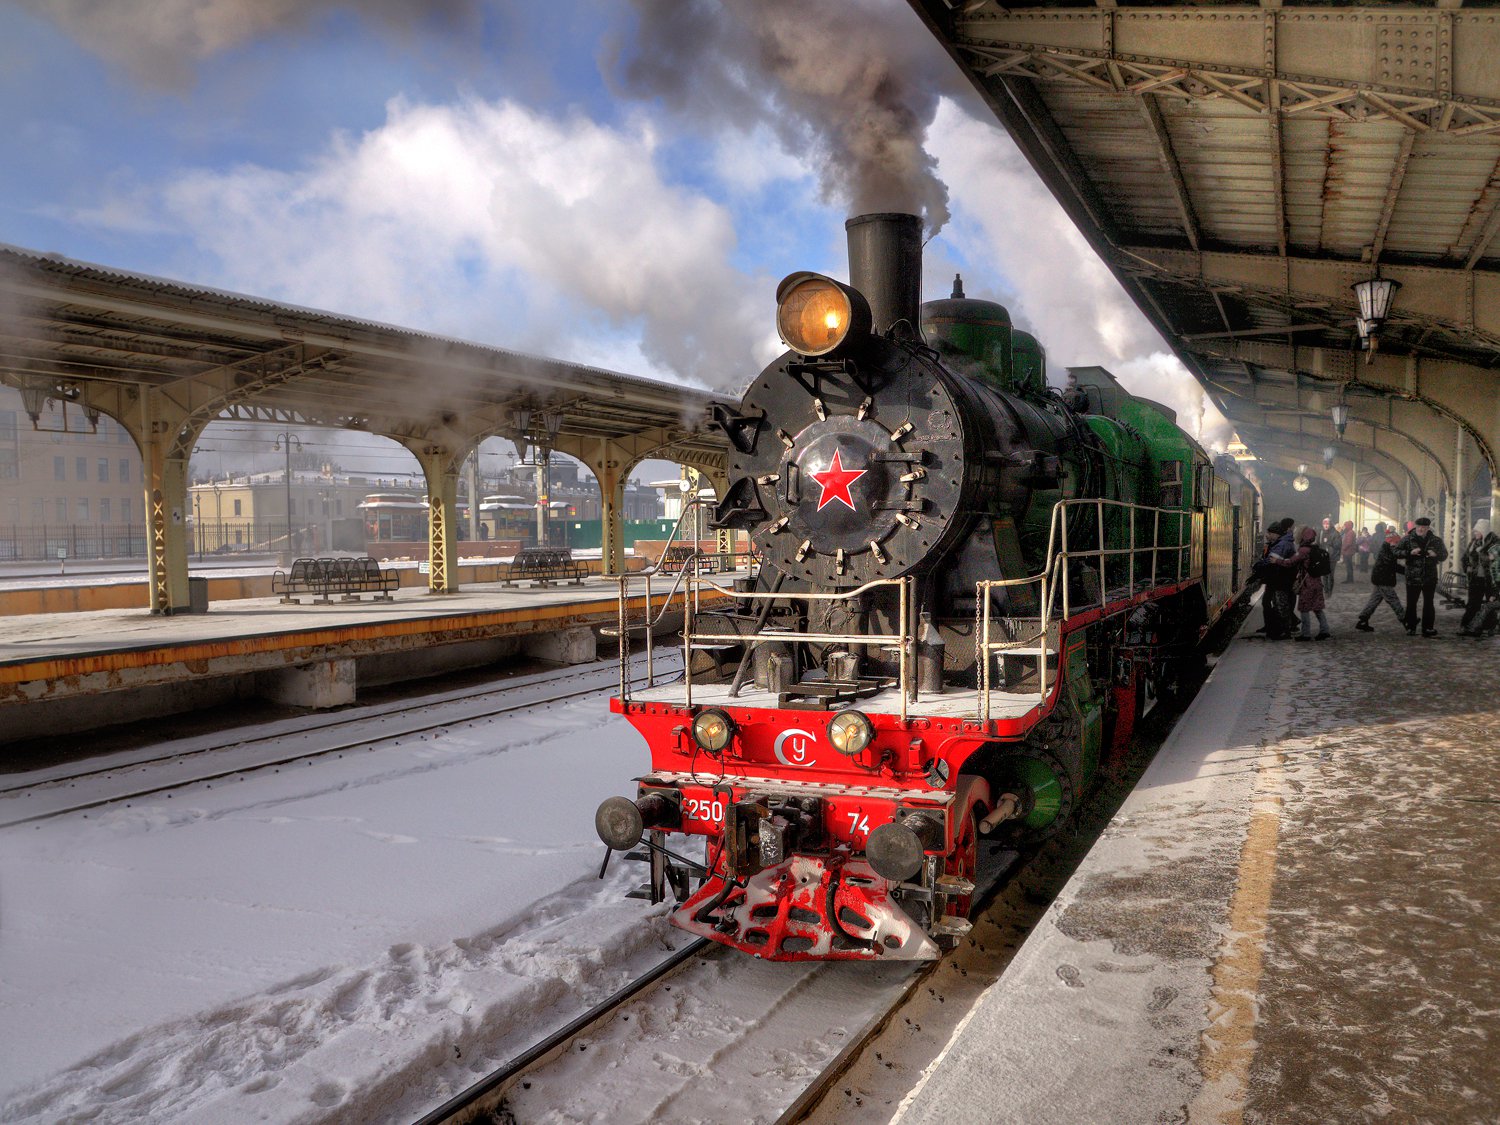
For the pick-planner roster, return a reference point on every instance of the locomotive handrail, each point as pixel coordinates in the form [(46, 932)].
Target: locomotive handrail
[(687, 578), (1058, 556), (902, 640), (623, 610)]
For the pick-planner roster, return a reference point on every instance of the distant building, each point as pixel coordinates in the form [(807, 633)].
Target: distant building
[(248, 512), (76, 490)]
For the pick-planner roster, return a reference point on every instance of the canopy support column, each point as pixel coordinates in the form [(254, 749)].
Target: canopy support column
[(165, 438), (441, 467)]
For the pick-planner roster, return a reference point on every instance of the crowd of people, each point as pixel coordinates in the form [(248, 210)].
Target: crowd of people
[(1297, 571)]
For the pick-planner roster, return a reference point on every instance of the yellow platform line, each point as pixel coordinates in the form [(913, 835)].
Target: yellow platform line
[(1227, 1046)]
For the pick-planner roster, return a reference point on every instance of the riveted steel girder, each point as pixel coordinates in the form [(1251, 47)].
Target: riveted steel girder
[(1345, 64)]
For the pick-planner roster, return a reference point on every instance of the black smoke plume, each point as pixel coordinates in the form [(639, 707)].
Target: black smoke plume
[(853, 86)]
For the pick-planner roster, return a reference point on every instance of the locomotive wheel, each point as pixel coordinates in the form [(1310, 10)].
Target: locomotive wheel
[(1050, 787), (964, 862)]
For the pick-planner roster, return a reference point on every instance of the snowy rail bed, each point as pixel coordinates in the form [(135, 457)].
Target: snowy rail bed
[(350, 940)]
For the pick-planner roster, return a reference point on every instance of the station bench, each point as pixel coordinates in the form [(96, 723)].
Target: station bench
[(681, 557), (351, 579), (542, 566)]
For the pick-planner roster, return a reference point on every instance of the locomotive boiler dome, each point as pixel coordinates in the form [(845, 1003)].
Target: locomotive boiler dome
[(1028, 363), (971, 335)]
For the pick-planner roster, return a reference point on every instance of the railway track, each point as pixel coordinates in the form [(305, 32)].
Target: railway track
[(769, 998), (488, 1093), (607, 677)]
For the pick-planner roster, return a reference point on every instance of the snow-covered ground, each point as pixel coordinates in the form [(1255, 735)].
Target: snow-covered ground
[(346, 939)]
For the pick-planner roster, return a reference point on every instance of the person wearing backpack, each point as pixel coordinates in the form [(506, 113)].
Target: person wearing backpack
[(1383, 577), (1423, 552), (1311, 556)]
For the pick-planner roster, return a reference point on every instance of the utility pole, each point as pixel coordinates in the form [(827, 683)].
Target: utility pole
[(474, 495), (542, 457), (285, 440)]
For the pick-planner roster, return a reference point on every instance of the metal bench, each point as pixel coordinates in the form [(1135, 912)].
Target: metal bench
[(349, 578), (353, 578), (305, 577), (680, 557), (542, 566)]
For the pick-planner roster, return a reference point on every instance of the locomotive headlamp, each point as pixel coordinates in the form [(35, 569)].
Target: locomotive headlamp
[(850, 732), (816, 314), (712, 730)]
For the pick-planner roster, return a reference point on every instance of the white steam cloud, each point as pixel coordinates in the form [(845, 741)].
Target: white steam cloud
[(851, 88), (494, 222)]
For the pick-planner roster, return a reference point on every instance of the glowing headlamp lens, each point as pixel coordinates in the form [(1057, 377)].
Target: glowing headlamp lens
[(712, 730), (850, 732), (813, 316)]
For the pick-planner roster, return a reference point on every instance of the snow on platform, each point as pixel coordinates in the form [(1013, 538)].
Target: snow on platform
[(1293, 917)]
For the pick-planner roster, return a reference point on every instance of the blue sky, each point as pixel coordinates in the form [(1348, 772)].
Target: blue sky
[(562, 179)]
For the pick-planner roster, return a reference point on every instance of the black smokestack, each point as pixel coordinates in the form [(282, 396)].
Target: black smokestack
[(885, 264)]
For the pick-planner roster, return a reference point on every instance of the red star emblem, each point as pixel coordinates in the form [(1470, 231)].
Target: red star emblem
[(836, 481)]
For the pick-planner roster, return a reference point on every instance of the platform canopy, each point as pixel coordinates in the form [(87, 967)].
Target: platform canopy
[(165, 359), (1240, 168)]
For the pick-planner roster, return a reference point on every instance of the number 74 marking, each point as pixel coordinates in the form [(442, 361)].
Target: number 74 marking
[(859, 824)]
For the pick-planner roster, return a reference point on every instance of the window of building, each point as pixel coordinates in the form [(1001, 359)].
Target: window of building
[(124, 471), (125, 510), (62, 509), (104, 470), (80, 468), (38, 511), (59, 468), (83, 509), (237, 507), (104, 510)]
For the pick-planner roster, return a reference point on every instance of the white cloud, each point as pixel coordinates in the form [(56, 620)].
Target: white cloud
[(494, 222), (746, 162)]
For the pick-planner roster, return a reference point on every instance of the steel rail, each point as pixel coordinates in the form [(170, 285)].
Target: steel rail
[(829, 1076), (364, 743), (487, 1093)]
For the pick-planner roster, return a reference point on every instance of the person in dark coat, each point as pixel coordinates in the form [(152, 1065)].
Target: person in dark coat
[(1281, 582), (1482, 567), (1423, 553), (1331, 539), (1278, 579), (1348, 543), (1383, 577)]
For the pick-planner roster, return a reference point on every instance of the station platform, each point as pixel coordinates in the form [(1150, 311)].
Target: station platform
[(70, 672), (1291, 919)]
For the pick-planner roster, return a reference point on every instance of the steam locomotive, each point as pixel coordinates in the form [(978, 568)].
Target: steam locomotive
[(972, 587)]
